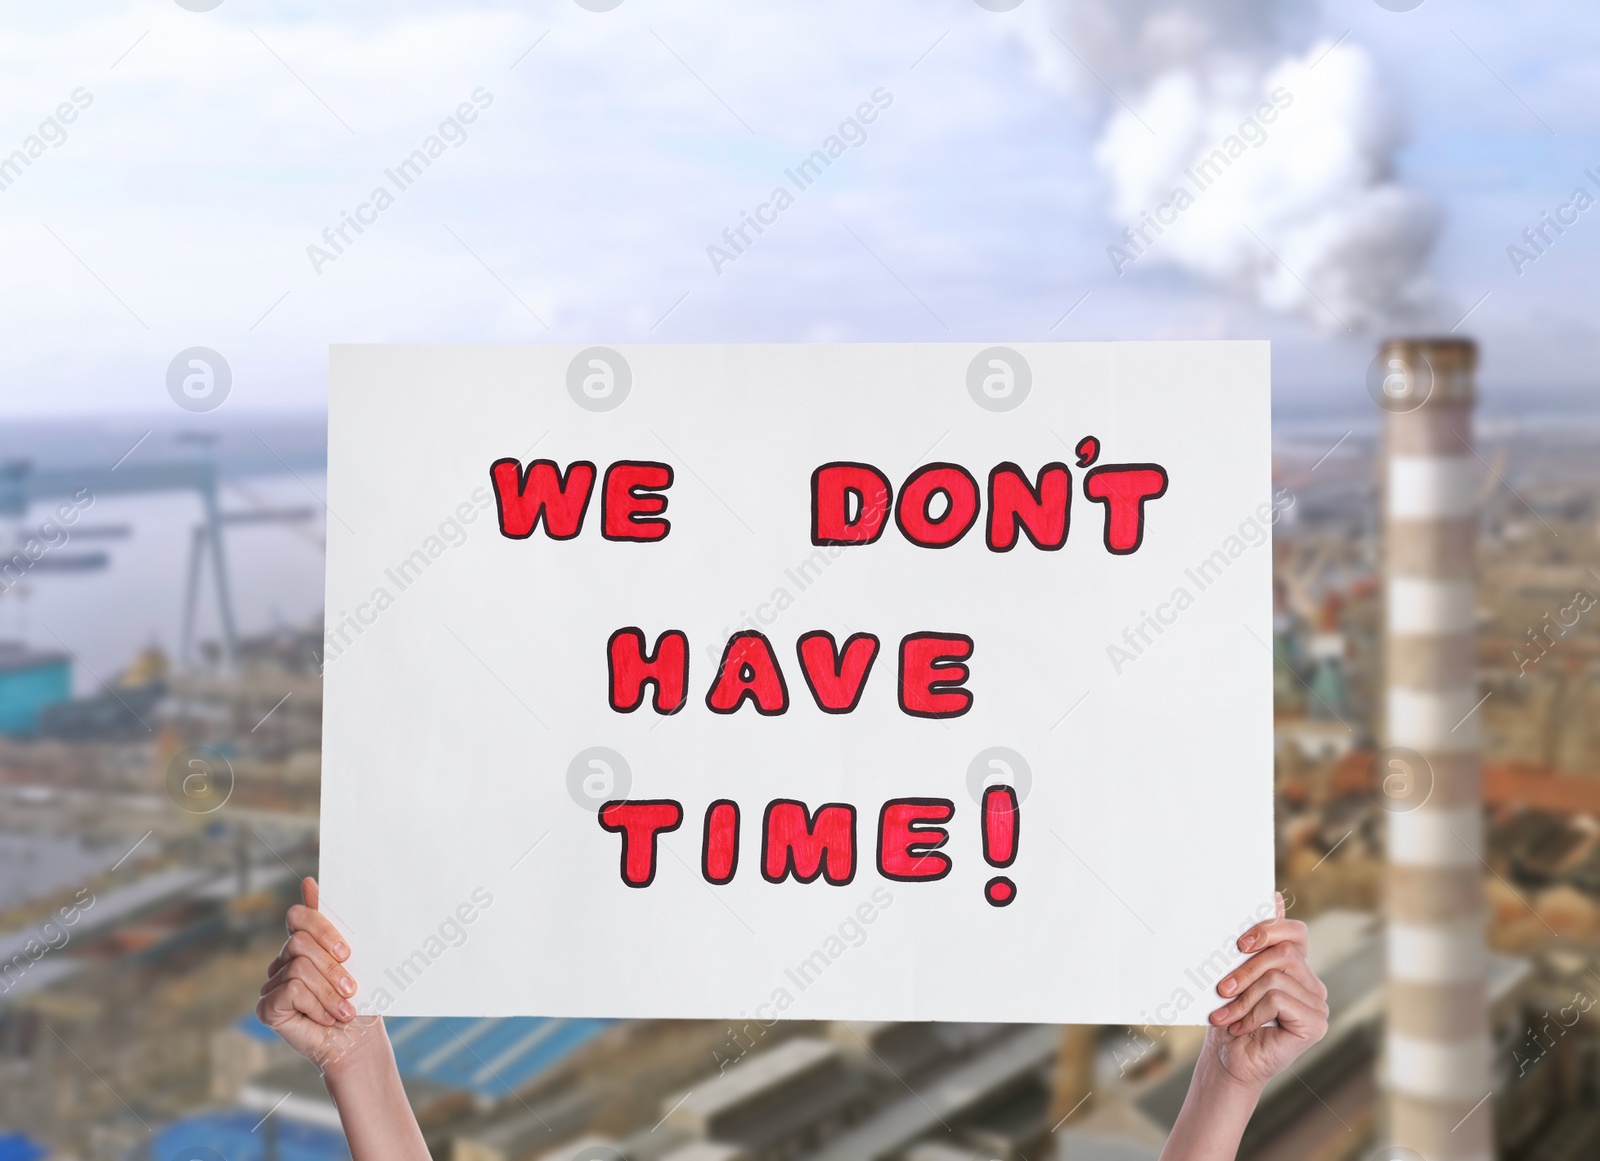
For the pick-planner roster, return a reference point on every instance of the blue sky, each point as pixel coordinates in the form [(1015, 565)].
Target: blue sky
[(218, 146)]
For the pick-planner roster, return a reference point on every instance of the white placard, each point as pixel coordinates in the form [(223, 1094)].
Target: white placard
[(500, 782)]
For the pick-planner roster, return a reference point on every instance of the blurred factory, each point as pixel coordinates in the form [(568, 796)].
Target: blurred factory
[(1436, 583)]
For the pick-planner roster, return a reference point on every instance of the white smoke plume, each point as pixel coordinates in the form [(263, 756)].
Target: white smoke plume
[(1256, 162)]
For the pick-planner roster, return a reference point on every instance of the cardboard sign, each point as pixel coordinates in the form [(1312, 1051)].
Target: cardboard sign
[(872, 682)]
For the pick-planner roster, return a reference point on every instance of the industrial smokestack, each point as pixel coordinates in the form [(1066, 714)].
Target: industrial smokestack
[(1437, 1046)]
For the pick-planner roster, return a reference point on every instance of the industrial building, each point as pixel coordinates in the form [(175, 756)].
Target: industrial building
[(31, 681)]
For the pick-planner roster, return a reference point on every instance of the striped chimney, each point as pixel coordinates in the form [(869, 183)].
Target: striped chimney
[(1437, 1043)]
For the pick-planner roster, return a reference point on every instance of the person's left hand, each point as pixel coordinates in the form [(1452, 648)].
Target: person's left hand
[(308, 998), (1275, 983)]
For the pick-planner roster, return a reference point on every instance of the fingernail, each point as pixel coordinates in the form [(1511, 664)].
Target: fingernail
[(1237, 1027), (347, 986), (1220, 1016), (1247, 942), (1227, 987), (340, 950), (346, 1012)]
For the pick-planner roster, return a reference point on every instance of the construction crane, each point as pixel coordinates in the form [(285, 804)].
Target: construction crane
[(22, 485), (200, 547)]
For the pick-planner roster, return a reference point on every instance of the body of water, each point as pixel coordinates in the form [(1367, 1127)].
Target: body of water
[(105, 616)]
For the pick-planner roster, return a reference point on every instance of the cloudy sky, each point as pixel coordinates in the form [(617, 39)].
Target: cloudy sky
[(209, 149)]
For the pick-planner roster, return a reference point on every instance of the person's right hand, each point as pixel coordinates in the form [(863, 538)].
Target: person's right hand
[(308, 998), (1277, 1007)]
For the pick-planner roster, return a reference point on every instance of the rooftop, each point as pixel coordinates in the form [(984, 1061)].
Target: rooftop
[(488, 1057), (14, 656), (244, 1135)]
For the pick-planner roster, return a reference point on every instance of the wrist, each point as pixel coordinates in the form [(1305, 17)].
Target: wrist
[(355, 1050), (1213, 1079)]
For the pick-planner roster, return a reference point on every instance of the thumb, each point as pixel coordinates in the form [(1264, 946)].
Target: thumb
[(309, 892)]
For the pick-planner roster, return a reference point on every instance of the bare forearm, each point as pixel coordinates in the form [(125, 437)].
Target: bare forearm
[(1213, 1117), (366, 1089)]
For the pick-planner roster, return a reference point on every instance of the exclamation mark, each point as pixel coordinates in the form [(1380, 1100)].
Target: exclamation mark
[(1001, 826)]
